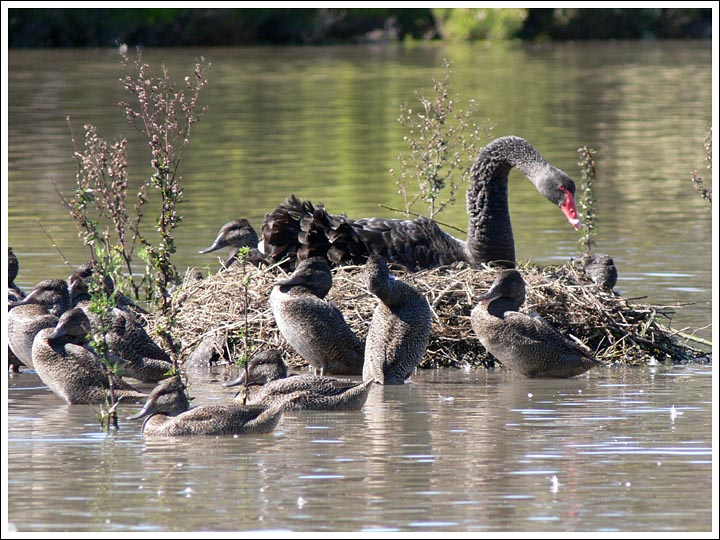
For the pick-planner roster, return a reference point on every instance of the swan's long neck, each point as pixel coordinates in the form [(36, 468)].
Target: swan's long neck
[(490, 236), (489, 232)]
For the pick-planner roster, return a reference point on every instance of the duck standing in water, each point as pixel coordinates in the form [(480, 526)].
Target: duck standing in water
[(400, 327), (298, 230), (169, 414), (523, 343), (70, 368), (299, 392), (314, 328), (38, 310), (237, 234)]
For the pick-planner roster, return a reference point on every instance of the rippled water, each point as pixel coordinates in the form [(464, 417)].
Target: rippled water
[(617, 450)]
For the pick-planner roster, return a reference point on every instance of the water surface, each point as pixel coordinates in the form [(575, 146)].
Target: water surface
[(617, 450)]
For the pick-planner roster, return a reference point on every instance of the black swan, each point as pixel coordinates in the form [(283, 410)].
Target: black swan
[(522, 343), (298, 230)]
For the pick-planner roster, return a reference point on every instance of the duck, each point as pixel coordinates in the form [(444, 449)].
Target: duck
[(297, 229), (40, 309), (67, 364), (237, 234), (601, 269), (314, 328), (524, 344), (298, 392), (143, 359), (15, 293), (400, 328), (167, 413), (79, 287)]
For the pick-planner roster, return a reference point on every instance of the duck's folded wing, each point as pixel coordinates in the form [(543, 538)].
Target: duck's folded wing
[(537, 332)]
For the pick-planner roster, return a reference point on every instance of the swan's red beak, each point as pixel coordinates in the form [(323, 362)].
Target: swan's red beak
[(568, 208)]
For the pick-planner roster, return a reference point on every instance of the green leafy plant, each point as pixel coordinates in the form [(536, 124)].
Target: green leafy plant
[(587, 200), (443, 139), (164, 116)]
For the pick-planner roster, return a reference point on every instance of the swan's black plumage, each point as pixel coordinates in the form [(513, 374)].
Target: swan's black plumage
[(298, 230)]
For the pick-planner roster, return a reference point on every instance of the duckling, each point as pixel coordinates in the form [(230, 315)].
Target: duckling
[(400, 327), (38, 310), (523, 343), (299, 392), (237, 234), (66, 363), (169, 414), (314, 328)]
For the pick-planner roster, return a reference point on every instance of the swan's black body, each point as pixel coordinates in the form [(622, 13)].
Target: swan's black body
[(299, 230)]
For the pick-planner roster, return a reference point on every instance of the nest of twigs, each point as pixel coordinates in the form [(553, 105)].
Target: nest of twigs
[(211, 314)]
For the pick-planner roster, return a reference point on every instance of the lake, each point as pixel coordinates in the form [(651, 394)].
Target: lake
[(621, 449)]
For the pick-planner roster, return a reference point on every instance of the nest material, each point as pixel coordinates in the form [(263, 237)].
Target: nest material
[(211, 313)]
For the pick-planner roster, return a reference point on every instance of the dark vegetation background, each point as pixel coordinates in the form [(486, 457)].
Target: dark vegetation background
[(106, 27)]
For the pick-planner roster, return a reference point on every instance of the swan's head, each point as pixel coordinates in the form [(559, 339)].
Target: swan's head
[(559, 188)]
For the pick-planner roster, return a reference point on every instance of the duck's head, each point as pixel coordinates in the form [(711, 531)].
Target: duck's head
[(262, 368), (508, 285), (168, 397), (79, 283), (237, 233), (377, 274), (313, 274), (52, 294), (13, 267), (73, 324)]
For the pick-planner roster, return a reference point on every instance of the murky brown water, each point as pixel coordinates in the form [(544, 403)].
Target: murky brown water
[(618, 450), (452, 451)]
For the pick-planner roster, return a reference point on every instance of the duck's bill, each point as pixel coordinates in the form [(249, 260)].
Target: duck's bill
[(216, 245), (235, 382)]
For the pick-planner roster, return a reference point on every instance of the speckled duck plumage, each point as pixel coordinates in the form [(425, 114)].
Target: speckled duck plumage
[(524, 344), (298, 392), (314, 328), (70, 368), (40, 309), (400, 328), (169, 414)]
